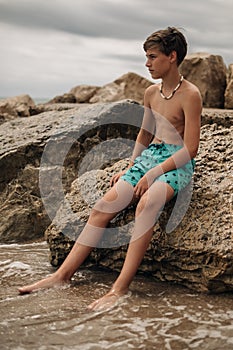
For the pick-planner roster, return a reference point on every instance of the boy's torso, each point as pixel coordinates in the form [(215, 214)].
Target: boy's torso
[(169, 114)]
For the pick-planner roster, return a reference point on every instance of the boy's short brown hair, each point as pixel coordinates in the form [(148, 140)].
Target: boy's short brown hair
[(168, 40)]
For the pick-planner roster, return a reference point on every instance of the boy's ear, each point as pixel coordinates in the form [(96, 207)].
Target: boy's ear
[(173, 56)]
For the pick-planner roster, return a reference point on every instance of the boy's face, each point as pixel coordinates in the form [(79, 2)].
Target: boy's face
[(157, 63)]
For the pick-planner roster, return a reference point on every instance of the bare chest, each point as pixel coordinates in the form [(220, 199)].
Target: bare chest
[(170, 111)]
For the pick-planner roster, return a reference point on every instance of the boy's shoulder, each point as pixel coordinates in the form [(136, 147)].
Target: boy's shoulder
[(190, 89), (190, 86), (150, 94), (152, 89)]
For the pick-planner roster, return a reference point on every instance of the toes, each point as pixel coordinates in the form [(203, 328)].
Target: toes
[(107, 301), (23, 291), (94, 306)]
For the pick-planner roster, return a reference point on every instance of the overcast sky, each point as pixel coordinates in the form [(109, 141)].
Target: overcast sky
[(49, 46)]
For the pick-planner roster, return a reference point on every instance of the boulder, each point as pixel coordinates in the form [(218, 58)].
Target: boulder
[(217, 116), (17, 106), (55, 165), (208, 73), (229, 88), (22, 144), (83, 93), (49, 106), (129, 85), (195, 251), (65, 98)]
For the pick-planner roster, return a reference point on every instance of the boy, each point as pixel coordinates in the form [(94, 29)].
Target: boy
[(161, 165)]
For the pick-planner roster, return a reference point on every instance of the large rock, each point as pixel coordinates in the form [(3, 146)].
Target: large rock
[(17, 106), (217, 116), (129, 85), (197, 253), (49, 106), (83, 93), (43, 155), (65, 98), (22, 144), (208, 72), (229, 89)]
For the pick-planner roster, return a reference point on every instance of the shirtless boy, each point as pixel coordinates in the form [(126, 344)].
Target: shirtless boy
[(161, 165)]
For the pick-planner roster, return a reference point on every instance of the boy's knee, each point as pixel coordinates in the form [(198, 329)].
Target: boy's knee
[(144, 202), (99, 207), (148, 203)]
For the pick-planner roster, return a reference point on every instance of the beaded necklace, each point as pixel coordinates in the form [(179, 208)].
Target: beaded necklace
[(173, 92)]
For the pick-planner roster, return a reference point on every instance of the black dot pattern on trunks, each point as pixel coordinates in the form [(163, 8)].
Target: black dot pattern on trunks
[(156, 154)]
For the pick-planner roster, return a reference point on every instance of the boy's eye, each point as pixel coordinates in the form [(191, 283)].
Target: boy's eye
[(152, 56)]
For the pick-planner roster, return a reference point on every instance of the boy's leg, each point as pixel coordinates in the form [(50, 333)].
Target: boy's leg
[(115, 200), (146, 214)]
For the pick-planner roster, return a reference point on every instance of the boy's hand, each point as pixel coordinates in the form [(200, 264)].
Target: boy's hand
[(116, 177), (145, 182)]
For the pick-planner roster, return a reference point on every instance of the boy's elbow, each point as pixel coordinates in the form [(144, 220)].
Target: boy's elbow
[(193, 152)]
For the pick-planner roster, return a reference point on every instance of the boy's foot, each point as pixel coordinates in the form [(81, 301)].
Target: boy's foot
[(49, 282), (107, 301)]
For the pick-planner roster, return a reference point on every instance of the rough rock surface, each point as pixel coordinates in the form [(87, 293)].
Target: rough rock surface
[(217, 116), (229, 89), (17, 106), (22, 144), (198, 252), (65, 98), (129, 85), (208, 72), (83, 93), (48, 107)]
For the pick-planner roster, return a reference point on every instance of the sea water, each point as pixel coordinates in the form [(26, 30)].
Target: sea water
[(153, 316)]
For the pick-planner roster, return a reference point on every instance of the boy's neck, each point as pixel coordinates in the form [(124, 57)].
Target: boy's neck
[(171, 80)]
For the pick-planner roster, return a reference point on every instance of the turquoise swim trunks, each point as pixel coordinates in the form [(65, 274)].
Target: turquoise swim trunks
[(155, 154)]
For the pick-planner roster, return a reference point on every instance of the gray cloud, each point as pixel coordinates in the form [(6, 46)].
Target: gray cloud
[(118, 19), (50, 46), (82, 17)]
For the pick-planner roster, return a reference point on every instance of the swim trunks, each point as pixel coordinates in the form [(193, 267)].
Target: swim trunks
[(153, 155)]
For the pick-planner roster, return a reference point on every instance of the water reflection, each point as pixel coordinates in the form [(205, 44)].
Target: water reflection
[(155, 315)]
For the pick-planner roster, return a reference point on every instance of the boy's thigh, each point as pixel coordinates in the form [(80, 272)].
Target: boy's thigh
[(178, 178)]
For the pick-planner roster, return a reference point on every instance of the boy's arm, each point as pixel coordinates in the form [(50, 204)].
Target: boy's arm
[(192, 109)]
